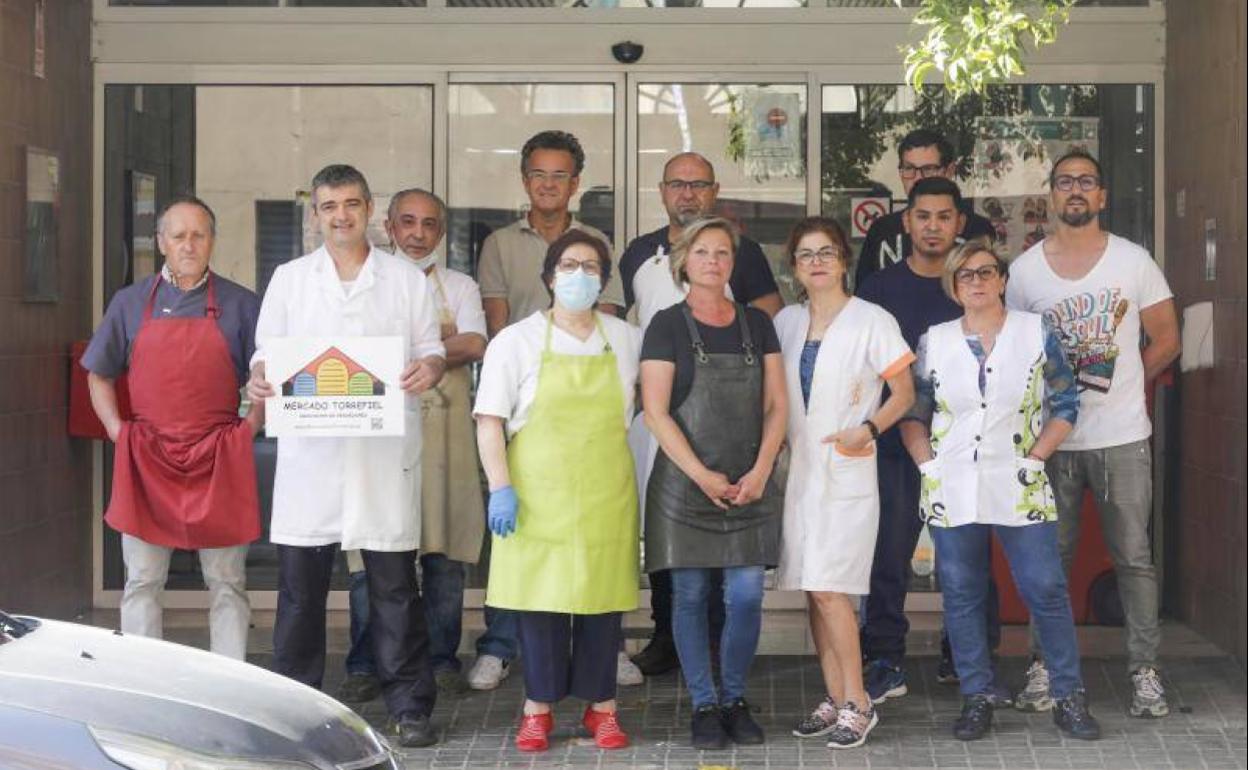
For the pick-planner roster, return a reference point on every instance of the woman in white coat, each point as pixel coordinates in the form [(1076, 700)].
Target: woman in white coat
[(839, 351)]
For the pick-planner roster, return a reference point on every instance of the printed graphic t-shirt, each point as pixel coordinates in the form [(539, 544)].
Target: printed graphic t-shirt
[(1097, 319)]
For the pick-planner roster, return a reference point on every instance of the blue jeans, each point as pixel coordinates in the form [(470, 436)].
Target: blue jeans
[(502, 633), (442, 583), (743, 618), (963, 565)]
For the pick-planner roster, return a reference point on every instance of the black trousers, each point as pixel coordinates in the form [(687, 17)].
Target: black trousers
[(397, 623), (661, 603), (569, 655)]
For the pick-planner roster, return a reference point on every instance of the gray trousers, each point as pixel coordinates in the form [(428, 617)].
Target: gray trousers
[(224, 570), (1121, 480)]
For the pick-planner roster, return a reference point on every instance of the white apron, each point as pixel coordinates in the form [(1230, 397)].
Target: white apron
[(980, 473), (360, 492), (831, 500)]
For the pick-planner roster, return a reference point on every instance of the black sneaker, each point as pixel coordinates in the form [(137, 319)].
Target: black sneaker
[(415, 731), (707, 728), (945, 671), (359, 688), (740, 724), (975, 719), (658, 657), (1072, 717)]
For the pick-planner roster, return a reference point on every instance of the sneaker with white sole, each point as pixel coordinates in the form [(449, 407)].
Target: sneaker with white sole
[(488, 672), (1035, 694), (852, 727), (626, 672), (1149, 696), (820, 721)]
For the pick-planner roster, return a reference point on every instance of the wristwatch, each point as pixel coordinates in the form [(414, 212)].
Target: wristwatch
[(875, 432)]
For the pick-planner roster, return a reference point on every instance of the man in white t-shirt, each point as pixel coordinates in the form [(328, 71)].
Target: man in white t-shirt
[(1099, 291)]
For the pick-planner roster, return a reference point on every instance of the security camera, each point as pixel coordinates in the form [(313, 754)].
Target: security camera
[(627, 52)]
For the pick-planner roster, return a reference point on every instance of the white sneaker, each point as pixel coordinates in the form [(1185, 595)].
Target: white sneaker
[(626, 672), (488, 672), (1035, 694), (1149, 696)]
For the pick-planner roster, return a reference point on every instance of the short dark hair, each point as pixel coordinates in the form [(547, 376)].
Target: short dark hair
[(553, 140), (926, 137), (189, 200), (1077, 153), (935, 185), (569, 239), (341, 175), (398, 197), (829, 227)]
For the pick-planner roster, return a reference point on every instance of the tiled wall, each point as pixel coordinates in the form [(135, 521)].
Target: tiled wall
[(45, 511), (1205, 148)]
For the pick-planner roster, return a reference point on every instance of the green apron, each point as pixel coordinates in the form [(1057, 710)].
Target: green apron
[(575, 548)]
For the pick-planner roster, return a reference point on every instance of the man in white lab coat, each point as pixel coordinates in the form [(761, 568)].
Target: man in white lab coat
[(353, 493)]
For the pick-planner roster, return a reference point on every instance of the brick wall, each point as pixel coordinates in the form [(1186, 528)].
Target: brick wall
[(45, 477), (1205, 114)]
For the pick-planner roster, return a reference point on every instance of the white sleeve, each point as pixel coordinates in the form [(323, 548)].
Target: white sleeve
[(1015, 297), (1152, 283), (272, 321), (469, 313), (498, 388), (888, 349), (425, 334)]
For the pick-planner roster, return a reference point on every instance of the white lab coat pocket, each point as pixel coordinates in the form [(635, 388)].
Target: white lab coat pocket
[(931, 495), (851, 474), (1034, 494)]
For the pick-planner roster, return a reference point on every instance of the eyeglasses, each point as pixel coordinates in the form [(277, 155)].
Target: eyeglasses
[(681, 185), (571, 266), (822, 256), (1066, 182), (909, 172), (984, 273), (559, 177)]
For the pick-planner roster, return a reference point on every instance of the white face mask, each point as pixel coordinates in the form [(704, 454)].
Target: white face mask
[(428, 261)]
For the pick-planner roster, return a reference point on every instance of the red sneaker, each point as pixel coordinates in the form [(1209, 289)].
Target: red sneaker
[(606, 729), (533, 731)]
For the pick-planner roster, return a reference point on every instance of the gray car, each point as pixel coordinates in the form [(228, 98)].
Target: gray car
[(75, 696)]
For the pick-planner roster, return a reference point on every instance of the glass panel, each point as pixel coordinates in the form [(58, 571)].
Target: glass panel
[(626, 3), (255, 173), (488, 125), (193, 3), (1005, 143), (755, 135)]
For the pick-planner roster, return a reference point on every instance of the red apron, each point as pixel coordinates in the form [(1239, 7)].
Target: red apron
[(184, 475)]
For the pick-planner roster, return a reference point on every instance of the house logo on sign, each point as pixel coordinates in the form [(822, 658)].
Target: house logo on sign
[(333, 373)]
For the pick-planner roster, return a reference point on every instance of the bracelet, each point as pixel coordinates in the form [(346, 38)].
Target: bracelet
[(875, 432)]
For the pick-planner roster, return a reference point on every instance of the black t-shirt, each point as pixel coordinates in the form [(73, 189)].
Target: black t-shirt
[(751, 274), (917, 303), (667, 339), (887, 243)]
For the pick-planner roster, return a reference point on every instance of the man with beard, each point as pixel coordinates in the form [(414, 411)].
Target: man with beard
[(688, 191), (1098, 291), (912, 292)]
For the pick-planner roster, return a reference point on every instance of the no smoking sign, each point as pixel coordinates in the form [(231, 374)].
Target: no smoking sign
[(864, 211)]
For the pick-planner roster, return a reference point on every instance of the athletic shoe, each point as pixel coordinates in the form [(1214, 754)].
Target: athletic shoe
[(1149, 696), (534, 732), (488, 672), (415, 731), (739, 724), (658, 657), (975, 719), (707, 728), (605, 728), (852, 727), (1072, 717), (945, 671), (1035, 694), (820, 721), (626, 672), (450, 682), (359, 688), (884, 681)]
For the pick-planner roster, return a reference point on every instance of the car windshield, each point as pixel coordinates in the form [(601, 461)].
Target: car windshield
[(14, 627)]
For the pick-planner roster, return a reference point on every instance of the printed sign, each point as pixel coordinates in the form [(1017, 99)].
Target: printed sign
[(340, 386), (864, 212)]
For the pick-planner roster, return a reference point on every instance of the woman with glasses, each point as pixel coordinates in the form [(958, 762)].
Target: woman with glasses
[(553, 405), (839, 351), (712, 383), (996, 397)]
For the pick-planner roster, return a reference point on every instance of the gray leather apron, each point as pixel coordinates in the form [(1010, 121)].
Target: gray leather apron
[(722, 418)]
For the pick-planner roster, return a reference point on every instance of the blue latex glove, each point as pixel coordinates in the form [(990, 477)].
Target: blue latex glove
[(501, 512)]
